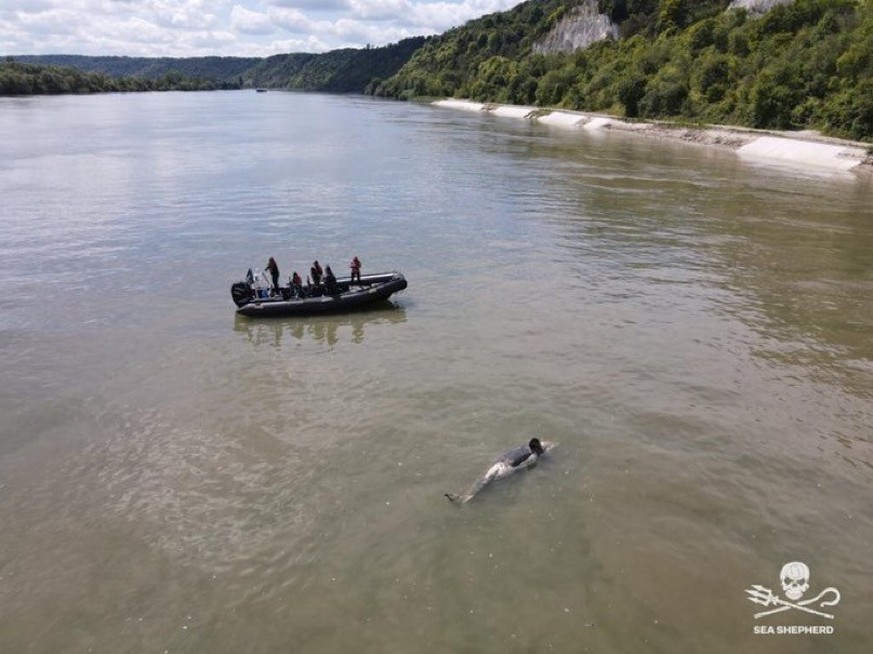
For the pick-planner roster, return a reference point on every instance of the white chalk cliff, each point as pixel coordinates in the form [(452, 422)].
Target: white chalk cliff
[(758, 6), (579, 29), (584, 25)]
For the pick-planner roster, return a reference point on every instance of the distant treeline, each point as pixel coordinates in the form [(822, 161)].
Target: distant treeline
[(34, 79), (216, 69), (348, 70), (808, 64)]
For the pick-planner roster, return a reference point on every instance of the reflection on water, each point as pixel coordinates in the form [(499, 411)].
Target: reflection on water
[(322, 329)]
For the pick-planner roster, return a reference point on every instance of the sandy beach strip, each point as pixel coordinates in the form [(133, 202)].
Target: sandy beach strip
[(807, 149)]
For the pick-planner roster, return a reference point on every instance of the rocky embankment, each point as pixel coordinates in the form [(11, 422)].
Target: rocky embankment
[(798, 148)]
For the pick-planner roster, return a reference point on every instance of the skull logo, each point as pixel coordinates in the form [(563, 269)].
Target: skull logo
[(795, 579)]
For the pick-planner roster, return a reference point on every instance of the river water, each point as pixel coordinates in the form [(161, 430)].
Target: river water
[(694, 330)]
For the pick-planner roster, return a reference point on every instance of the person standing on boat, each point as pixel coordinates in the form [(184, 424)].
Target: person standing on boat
[(355, 266), (297, 284), (273, 267), (316, 273), (330, 282)]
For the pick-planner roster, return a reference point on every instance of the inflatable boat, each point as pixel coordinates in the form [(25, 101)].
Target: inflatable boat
[(255, 301)]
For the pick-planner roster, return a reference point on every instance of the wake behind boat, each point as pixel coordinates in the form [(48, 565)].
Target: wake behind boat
[(254, 300)]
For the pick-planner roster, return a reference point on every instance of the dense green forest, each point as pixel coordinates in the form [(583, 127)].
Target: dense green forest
[(30, 79), (217, 69), (350, 70), (805, 64)]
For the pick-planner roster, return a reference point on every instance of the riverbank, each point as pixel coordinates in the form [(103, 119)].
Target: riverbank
[(806, 148)]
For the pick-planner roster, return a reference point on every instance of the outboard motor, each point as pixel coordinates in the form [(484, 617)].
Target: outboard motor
[(242, 293)]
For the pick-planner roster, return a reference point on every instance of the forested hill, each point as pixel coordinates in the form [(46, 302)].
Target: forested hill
[(348, 70), (216, 69), (806, 64)]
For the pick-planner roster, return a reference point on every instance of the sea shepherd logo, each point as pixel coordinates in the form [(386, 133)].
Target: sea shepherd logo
[(795, 582)]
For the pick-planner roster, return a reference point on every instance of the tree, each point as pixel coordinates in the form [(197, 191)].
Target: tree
[(631, 90), (671, 15)]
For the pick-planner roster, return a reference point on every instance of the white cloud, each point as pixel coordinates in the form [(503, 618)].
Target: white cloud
[(51, 22), (444, 15), (295, 21), (309, 44), (250, 22), (380, 9), (177, 14), (223, 27), (35, 6), (313, 5)]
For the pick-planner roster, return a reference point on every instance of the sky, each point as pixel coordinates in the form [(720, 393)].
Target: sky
[(243, 28)]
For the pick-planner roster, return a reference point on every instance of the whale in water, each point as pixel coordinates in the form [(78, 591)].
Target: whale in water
[(512, 461)]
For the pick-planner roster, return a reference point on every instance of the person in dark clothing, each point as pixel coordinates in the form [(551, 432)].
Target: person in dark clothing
[(330, 282), (316, 272), (355, 266), (273, 267), (297, 284)]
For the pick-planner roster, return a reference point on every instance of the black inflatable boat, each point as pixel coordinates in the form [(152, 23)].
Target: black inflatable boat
[(255, 302)]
